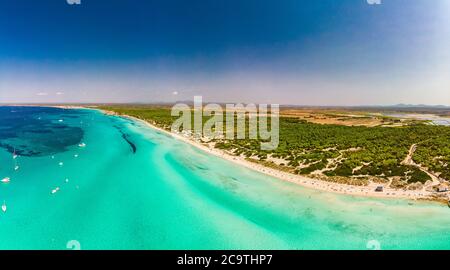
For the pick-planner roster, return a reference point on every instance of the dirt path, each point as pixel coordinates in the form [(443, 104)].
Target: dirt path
[(410, 162)]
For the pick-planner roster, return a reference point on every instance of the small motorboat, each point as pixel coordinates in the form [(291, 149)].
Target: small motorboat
[(61, 164), (82, 145), (4, 207), (55, 190), (60, 120), (76, 155), (16, 168), (14, 154), (6, 180)]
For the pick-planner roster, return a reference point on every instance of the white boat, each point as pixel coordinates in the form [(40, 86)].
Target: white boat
[(6, 180), (82, 145), (55, 190), (4, 207), (61, 164), (14, 154), (16, 168), (76, 155), (60, 120)]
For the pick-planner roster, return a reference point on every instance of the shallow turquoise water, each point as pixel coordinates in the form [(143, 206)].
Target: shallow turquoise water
[(169, 195)]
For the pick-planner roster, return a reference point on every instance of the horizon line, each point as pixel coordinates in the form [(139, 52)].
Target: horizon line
[(399, 105)]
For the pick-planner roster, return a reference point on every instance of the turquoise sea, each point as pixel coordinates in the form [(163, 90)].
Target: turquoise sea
[(132, 187)]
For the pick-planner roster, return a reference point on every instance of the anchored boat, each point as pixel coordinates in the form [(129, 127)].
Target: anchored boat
[(6, 180), (55, 190), (4, 207)]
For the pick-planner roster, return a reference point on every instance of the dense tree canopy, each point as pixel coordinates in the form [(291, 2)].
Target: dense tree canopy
[(336, 150)]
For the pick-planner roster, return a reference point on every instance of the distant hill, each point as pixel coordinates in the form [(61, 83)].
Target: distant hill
[(419, 106)]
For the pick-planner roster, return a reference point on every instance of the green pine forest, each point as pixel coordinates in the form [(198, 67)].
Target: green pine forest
[(334, 151)]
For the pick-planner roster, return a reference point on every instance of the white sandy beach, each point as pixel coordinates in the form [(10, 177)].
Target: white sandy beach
[(366, 191), (326, 186)]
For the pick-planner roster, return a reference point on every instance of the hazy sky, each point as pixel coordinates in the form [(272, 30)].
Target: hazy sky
[(315, 52)]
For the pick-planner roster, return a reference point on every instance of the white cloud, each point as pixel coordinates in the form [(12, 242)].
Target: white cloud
[(59, 93), (42, 94), (175, 93)]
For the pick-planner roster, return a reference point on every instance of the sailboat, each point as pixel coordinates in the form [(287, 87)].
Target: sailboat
[(4, 207), (6, 180)]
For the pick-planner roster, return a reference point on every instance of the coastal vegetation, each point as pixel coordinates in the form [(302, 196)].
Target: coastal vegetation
[(335, 152)]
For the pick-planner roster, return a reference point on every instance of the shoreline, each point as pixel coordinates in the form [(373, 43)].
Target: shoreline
[(316, 184), (304, 181)]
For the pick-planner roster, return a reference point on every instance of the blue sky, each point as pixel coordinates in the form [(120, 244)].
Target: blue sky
[(316, 52)]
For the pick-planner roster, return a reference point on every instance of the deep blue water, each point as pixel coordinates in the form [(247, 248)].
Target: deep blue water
[(38, 131)]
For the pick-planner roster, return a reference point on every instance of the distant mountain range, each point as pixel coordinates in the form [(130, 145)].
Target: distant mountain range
[(401, 105)]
